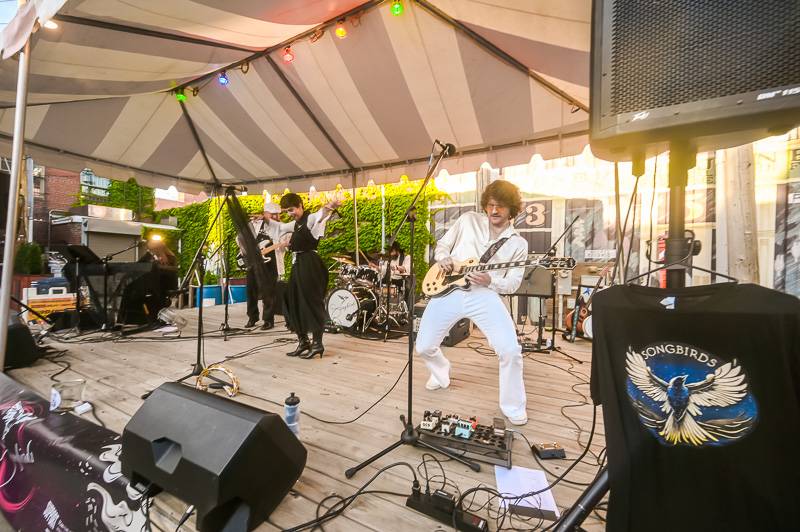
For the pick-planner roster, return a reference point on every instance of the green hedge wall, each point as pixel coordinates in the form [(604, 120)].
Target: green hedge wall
[(125, 195), (195, 219)]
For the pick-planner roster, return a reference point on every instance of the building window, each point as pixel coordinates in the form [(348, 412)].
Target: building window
[(38, 181), (93, 186)]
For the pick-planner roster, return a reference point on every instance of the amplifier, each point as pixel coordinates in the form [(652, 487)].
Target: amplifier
[(458, 332)]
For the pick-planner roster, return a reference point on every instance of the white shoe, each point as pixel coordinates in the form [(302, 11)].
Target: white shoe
[(518, 420), (433, 384)]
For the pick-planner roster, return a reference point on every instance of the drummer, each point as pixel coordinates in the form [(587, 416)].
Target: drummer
[(400, 263)]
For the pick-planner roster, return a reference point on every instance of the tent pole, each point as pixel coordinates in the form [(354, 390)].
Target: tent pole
[(13, 197), (355, 217), (200, 147)]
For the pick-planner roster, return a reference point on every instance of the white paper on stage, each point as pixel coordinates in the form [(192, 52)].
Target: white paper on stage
[(520, 480)]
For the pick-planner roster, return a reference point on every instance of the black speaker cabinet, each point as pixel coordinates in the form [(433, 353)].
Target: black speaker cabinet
[(21, 348), (233, 462), (458, 332), (716, 73)]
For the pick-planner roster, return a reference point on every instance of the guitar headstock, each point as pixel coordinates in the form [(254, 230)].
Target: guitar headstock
[(557, 263)]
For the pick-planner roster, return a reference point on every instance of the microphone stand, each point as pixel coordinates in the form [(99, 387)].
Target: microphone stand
[(553, 347), (198, 267), (410, 435)]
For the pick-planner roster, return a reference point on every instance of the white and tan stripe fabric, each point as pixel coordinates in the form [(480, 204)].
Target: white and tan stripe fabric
[(100, 96)]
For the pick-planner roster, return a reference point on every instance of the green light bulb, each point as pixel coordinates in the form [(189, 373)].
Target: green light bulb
[(397, 8)]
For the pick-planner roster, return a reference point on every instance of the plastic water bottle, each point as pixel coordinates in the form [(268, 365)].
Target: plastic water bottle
[(291, 413)]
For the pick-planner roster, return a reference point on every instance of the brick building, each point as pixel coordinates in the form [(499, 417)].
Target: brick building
[(56, 191)]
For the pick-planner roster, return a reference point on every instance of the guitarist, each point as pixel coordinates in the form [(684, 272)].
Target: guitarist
[(491, 237), (266, 234)]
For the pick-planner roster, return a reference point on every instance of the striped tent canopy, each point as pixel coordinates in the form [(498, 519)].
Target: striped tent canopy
[(500, 79)]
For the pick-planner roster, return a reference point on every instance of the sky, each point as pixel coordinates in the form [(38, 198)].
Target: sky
[(7, 10)]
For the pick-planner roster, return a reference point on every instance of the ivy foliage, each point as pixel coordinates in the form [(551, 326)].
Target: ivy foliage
[(124, 195), (194, 220)]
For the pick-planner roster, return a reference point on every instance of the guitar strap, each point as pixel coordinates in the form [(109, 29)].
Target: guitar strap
[(492, 250)]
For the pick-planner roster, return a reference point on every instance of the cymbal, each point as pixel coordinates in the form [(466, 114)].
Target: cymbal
[(343, 259)]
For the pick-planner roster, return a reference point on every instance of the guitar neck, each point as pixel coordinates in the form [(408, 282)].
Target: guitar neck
[(550, 263)]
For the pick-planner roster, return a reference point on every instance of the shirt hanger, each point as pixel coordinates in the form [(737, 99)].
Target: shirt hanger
[(684, 266)]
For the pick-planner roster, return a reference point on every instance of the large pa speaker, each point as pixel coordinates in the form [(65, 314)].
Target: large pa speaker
[(233, 462), (716, 73), (21, 348)]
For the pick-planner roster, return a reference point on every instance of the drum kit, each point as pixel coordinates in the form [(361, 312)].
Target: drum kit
[(364, 301)]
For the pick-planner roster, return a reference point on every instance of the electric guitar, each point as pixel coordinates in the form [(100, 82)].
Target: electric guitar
[(439, 283), (241, 262)]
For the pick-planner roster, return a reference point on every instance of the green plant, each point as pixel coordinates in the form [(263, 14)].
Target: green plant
[(196, 219), (28, 260), (124, 195)]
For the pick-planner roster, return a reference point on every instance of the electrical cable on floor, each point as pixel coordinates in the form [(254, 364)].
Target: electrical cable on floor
[(333, 421), (339, 508)]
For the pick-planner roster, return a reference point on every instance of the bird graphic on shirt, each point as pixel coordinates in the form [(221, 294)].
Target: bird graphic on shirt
[(681, 402)]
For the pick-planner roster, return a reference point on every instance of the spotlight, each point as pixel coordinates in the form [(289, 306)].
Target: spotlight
[(340, 31), (179, 95), (288, 55), (396, 8), (50, 25), (223, 78)]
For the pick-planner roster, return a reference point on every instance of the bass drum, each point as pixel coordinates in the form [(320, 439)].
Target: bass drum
[(346, 307), (587, 327)]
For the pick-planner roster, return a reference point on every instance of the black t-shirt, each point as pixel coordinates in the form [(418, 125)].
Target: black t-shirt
[(700, 389)]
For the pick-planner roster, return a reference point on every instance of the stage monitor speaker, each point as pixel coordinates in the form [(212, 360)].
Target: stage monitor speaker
[(233, 462), (458, 332), (21, 348), (536, 282), (714, 74)]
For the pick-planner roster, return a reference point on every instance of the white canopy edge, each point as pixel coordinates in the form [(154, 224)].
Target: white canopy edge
[(19, 28)]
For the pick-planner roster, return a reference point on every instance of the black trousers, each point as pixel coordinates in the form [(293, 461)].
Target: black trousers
[(266, 296)]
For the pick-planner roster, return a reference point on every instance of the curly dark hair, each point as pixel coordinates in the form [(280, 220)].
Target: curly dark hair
[(291, 200), (505, 193)]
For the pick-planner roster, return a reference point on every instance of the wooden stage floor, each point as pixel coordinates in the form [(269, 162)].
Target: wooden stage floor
[(352, 375)]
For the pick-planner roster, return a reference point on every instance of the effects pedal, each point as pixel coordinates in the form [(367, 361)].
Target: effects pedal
[(439, 505), (549, 450)]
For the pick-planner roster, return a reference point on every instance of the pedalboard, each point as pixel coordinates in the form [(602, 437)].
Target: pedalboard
[(439, 505), (468, 438), (549, 450)]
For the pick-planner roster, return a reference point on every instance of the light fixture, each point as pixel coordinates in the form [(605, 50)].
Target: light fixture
[(288, 55), (179, 95), (317, 35), (223, 78), (50, 25), (155, 237), (396, 8), (340, 30)]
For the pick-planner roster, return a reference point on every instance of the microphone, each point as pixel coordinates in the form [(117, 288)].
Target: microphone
[(447, 149)]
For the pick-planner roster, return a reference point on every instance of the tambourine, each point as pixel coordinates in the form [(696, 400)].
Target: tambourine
[(232, 389)]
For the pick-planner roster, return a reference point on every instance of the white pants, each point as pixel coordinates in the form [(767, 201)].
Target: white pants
[(484, 307)]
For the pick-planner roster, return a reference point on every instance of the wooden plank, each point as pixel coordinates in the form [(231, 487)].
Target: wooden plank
[(349, 378)]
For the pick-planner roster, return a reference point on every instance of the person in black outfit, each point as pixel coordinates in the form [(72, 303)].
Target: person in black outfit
[(304, 300), (266, 234)]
